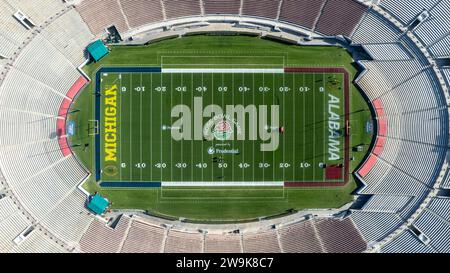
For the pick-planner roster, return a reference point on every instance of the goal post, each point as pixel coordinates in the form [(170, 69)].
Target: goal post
[(94, 128)]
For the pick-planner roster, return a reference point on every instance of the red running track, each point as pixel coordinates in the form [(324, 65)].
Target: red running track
[(62, 115)]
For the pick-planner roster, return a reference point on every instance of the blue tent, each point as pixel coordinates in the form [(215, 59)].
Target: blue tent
[(98, 50), (98, 204)]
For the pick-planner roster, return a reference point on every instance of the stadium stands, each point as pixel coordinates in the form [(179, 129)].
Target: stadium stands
[(70, 35), (144, 238), (375, 29), (181, 8), (300, 237), (435, 27), (223, 243), (12, 223), (340, 236), (222, 6), (261, 242), (405, 10), (12, 33), (261, 8), (440, 49), (387, 52), (39, 12), (110, 11), (142, 12), (436, 228), (38, 241), (41, 68), (375, 226), (102, 238), (69, 212), (386, 203), (301, 12), (407, 242), (179, 242), (340, 17)]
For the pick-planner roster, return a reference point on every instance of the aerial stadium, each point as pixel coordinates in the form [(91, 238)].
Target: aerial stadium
[(224, 126)]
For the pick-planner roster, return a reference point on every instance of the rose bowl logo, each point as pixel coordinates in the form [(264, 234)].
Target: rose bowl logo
[(223, 130)]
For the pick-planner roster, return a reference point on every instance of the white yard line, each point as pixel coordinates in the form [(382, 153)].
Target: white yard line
[(140, 129), (120, 135), (314, 124), (274, 92), (151, 127), (325, 120), (181, 152), (171, 140), (294, 164), (131, 127), (223, 70), (192, 141), (161, 133), (203, 172), (304, 121), (264, 157), (253, 164)]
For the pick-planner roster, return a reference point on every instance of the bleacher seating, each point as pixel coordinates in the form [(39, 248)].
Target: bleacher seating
[(446, 73), (144, 238), (340, 236), (261, 242), (386, 179), (38, 11), (38, 241), (386, 203), (436, 26), (439, 206), (441, 48), (301, 12), (436, 228), (42, 61), (340, 17), (261, 8), (300, 238), (374, 29), (12, 33), (44, 182), (12, 223), (406, 10), (375, 226), (387, 51), (181, 8), (70, 211), (179, 242), (111, 14), (223, 243), (406, 242), (18, 96), (70, 35), (142, 12), (222, 6), (100, 238)]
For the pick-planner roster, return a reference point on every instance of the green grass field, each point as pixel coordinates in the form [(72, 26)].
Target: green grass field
[(147, 151), (143, 148)]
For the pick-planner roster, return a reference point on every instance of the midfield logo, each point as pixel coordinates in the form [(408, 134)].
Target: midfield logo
[(228, 125)]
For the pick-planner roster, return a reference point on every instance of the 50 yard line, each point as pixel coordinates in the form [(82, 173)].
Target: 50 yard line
[(140, 127), (131, 127)]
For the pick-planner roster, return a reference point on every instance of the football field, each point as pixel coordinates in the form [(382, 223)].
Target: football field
[(221, 125), (222, 128)]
